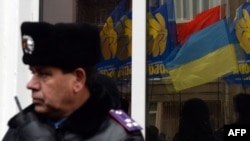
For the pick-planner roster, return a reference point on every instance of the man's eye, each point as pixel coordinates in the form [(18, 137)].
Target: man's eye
[(44, 74)]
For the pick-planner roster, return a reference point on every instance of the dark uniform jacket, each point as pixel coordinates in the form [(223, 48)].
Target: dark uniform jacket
[(91, 122)]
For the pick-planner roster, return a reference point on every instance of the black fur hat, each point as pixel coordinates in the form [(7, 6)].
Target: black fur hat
[(63, 44)]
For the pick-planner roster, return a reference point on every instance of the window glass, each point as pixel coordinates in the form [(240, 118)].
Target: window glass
[(165, 105)]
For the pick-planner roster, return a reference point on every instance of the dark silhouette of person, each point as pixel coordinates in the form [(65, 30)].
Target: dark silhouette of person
[(152, 133), (162, 137), (242, 108), (241, 103), (195, 122)]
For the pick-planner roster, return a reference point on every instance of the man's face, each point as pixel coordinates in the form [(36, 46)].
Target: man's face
[(52, 90)]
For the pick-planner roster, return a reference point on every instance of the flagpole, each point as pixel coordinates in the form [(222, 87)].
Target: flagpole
[(220, 8)]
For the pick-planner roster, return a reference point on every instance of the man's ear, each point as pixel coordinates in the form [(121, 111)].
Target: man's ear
[(80, 80)]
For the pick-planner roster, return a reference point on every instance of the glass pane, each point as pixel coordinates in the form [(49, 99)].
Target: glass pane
[(165, 105), (119, 65)]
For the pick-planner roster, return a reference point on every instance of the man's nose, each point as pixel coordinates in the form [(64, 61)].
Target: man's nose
[(33, 83)]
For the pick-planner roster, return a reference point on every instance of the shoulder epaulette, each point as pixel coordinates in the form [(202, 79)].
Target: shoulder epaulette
[(126, 121)]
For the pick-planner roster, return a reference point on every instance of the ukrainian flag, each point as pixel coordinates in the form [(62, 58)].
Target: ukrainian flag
[(205, 56)]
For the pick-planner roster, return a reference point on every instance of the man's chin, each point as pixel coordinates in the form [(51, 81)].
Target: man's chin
[(40, 109)]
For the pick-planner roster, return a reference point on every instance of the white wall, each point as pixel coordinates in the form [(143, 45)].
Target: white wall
[(13, 74)]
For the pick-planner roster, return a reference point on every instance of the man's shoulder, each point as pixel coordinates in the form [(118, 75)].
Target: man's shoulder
[(13, 119), (124, 120), (112, 130), (122, 126)]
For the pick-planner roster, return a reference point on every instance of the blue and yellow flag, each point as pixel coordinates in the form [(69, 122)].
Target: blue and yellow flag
[(240, 33), (205, 56), (124, 46), (161, 39), (109, 37)]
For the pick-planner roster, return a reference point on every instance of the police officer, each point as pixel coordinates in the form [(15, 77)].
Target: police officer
[(69, 102)]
